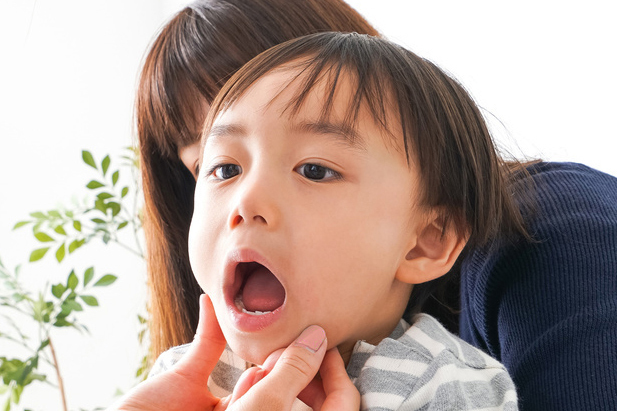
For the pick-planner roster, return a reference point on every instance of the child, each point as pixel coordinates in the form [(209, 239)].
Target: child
[(339, 173)]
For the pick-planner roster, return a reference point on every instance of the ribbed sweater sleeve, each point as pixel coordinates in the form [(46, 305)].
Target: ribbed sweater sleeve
[(548, 309)]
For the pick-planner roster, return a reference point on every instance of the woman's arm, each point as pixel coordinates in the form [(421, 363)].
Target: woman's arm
[(548, 310)]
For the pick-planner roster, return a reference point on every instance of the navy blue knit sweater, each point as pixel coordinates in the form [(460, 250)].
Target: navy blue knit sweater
[(548, 310)]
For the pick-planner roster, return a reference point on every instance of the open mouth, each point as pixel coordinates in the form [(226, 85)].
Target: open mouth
[(260, 291)]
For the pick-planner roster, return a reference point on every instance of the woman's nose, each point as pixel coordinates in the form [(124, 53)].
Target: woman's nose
[(256, 202)]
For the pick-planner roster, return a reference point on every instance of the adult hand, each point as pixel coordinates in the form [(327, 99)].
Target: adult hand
[(271, 387), (289, 371)]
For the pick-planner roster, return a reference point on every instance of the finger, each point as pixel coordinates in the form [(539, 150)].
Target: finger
[(333, 375), (293, 371), (272, 359), (248, 378), (207, 346), (340, 392), (313, 395)]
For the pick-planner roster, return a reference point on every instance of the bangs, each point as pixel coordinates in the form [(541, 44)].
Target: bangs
[(323, 60)]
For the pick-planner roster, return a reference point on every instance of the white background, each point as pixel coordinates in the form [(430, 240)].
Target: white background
[(68, 70)]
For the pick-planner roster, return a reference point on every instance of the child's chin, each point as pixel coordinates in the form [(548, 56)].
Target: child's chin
[(252, 351)]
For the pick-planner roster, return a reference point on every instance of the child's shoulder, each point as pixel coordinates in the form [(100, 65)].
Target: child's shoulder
[(427, 340), (425, 364)]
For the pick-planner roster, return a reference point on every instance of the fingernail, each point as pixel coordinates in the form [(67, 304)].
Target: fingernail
[(311, 338)]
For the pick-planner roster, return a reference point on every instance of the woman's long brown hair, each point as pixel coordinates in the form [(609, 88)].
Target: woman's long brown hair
[(188, 62)]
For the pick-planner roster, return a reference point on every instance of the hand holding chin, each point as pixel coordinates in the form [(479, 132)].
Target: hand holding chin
[(285, 375)]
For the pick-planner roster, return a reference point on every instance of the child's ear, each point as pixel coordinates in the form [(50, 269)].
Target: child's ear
[(433, 254)]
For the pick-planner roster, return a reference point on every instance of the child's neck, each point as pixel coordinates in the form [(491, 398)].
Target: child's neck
[(346, 348)]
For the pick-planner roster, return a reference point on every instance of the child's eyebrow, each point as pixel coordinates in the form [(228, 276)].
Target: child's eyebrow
[(230, 129), (339, 132)]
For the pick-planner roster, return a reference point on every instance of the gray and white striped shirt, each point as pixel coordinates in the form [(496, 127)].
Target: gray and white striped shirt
[(424, 367), (419, 367)]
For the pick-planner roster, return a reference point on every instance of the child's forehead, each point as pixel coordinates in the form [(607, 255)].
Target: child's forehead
[(323, 102)]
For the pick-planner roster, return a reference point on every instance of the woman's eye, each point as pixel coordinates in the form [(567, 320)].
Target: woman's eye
[(225, 171), (318, 173)]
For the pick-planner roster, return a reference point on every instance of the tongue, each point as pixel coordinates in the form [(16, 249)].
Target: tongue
[(262, 291)]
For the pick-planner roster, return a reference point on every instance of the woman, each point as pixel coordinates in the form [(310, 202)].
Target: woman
[(546, 308)]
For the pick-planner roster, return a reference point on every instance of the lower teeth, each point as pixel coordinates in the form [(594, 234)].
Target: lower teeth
[(240, 305), (244, 310)]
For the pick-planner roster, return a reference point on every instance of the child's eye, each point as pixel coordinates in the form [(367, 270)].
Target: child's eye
[(316, 172), (225, 171)]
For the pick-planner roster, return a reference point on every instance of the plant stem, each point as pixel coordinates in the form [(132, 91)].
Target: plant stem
[(60, 383), (128, 248)]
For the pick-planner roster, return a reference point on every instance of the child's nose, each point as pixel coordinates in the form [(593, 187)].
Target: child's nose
[(256, 203)]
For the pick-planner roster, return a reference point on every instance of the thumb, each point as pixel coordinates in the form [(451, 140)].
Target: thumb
[(293, 371), (207, 346)]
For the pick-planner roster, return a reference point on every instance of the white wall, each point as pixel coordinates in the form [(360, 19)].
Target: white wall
[(67, 78), (545, 69)]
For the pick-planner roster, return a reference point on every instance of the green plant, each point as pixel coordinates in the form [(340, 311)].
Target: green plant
[(54, 306), (107, 211), (102, 216)]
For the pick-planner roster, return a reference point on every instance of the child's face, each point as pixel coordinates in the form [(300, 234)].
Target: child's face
[(295, 220)]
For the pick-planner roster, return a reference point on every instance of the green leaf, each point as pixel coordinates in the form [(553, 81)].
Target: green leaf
[(106, 280), (115, 208), (105, 164), (60, 253), (69, 214), (75, 244), (94, 184), (88, 159), (60, 230), (90, 300), (72, 281), (57, 290), (54, 213), (42, 237), (61, 322), (122, 225), (38, 254), (38, 214), (98, 221), (114, 177), (71, 305), (41, 309), (18, 297), (125, 191), (104, 196), (77, 225), (21, 224), (100, 205), (88, 274)]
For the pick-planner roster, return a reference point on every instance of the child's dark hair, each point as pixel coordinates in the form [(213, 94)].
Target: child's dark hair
[(462, 176)]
